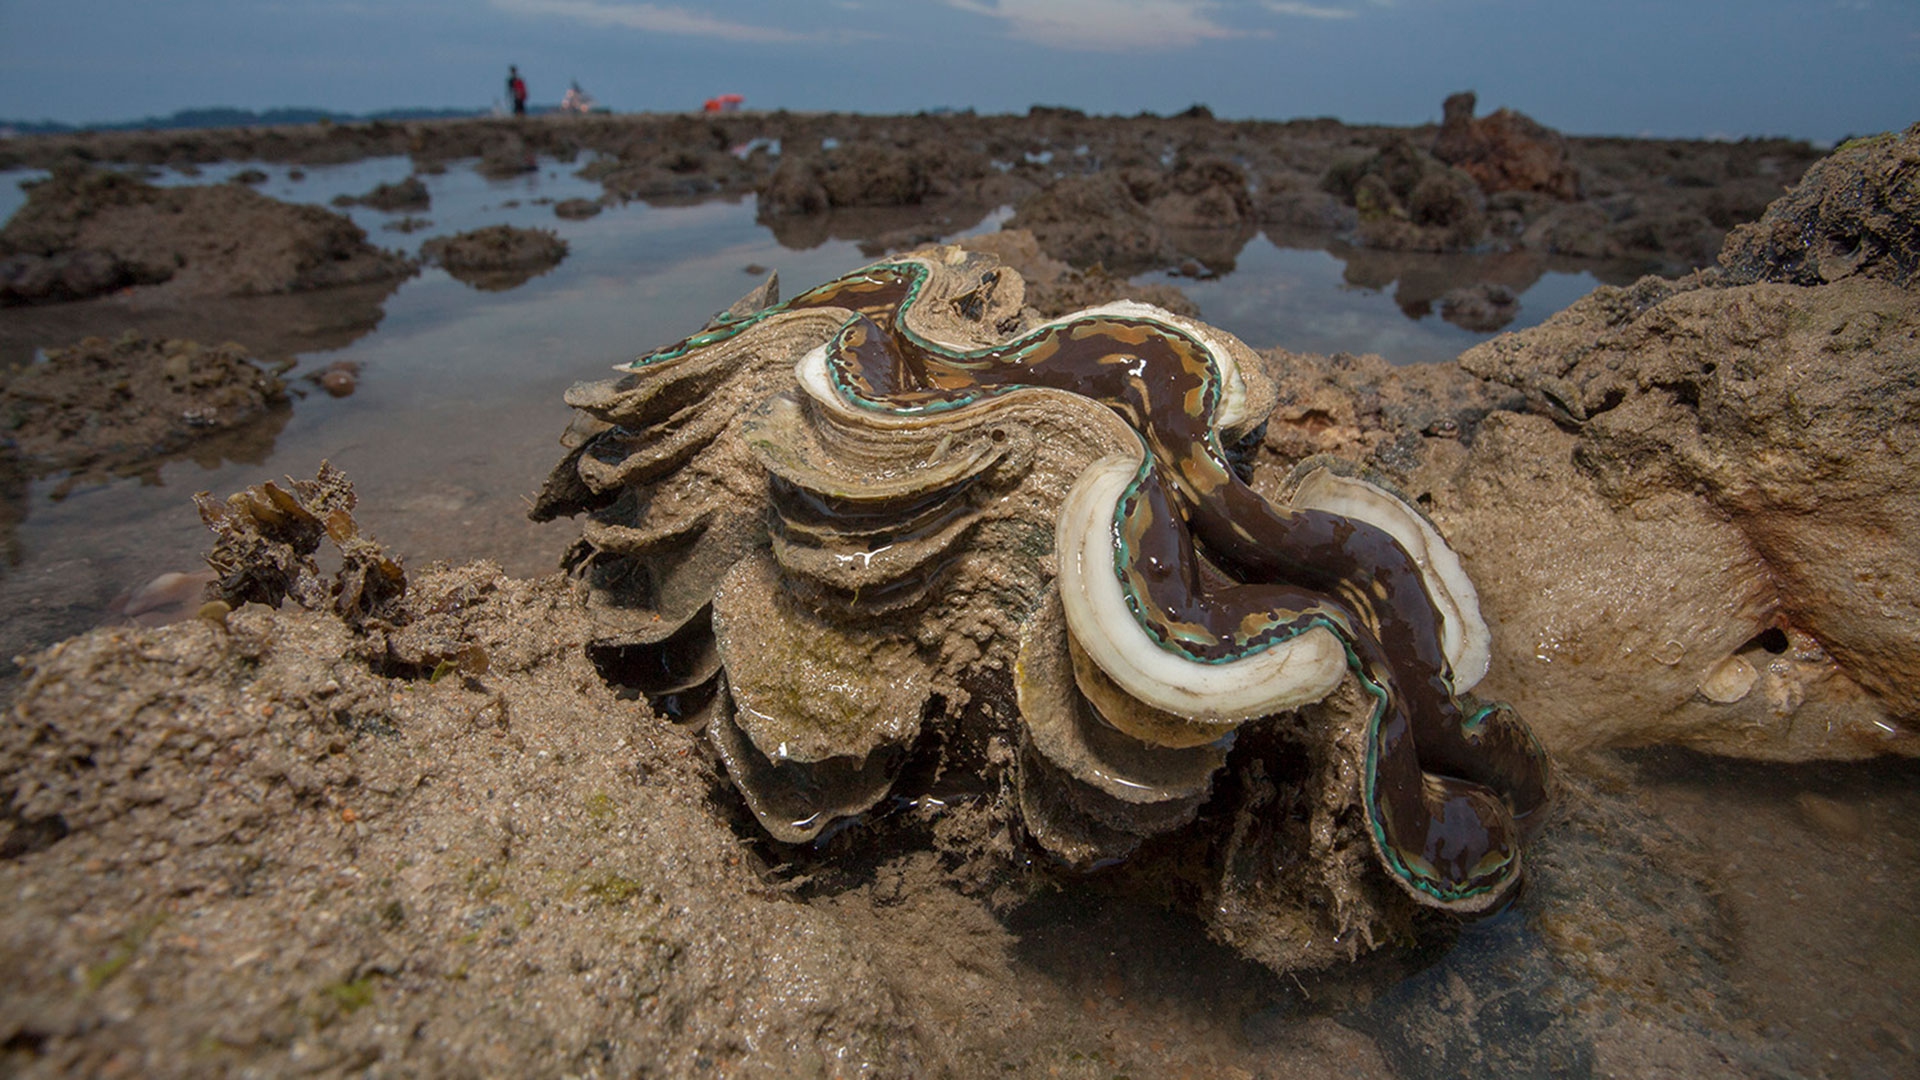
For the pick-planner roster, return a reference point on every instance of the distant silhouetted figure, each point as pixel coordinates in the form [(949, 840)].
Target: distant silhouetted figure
[(517, 90)]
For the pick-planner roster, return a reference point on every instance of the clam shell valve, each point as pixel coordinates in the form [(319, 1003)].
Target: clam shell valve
[(897, 533)]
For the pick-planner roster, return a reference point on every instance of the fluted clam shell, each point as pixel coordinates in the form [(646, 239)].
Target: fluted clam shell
[(877, 485), (1463, 631), (807, 689), (1068, 731), (1291, 673)]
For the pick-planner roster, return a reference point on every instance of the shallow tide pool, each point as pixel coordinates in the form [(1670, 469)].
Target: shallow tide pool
[(458, 407)]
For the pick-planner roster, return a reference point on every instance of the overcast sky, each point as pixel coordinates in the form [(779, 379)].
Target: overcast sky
[(1818, 69)]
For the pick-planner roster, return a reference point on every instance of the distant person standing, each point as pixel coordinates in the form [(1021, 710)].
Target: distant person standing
[(517, 90)]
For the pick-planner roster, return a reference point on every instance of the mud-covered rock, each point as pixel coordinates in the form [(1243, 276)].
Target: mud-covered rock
[(1098, 219), (1206, 193), (519, 845), (69, 275), (794, 188), (1408, 200), (403, 195), (864, 174), (868, 174), (508, 156), (85, 231), (1855, 213), (105, 407), (1295, 202), (497, 257)]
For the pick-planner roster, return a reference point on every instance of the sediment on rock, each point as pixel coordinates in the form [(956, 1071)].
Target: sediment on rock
[(101, 408), (498, 257), (83, 232), (1689, 503)]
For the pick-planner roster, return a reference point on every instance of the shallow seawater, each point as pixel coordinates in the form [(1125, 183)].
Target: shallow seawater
[(1807, 879), (456, 415), (1342, 299)]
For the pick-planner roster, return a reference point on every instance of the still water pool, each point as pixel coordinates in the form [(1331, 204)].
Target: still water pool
[(457, 410)]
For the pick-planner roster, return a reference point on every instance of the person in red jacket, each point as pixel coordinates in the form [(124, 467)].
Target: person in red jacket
[(517, 90)]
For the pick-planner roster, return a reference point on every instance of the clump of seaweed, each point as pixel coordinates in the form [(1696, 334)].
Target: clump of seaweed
[(266, 538)]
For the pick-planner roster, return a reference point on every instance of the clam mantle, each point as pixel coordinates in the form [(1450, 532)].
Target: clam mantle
[(832, 534)]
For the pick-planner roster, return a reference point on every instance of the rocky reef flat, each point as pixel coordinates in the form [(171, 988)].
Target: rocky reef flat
[(356, 813)]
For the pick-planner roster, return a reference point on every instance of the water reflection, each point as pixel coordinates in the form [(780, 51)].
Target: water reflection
[(1420, 279), (276, 329), (1316, 293), (877, 230)]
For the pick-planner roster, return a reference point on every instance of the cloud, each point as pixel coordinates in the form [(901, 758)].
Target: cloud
[(1105, 25), (659, 19), (1308, 11)]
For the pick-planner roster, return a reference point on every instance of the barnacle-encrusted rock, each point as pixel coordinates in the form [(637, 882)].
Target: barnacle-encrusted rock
[(897, 501)]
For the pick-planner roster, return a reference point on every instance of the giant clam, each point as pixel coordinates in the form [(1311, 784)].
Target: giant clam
[(815, 525)]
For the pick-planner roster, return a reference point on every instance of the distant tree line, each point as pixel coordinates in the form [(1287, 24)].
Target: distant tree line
[(221, 116)]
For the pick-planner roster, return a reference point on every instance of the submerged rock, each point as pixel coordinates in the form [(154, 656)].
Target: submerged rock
[(498, 257), (100, 407)]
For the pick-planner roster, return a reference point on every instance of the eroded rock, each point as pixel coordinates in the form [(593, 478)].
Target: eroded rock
[(1702, 528), (1505, 151), (1856, 213), (83, 232), (498, 257), (116, 407)]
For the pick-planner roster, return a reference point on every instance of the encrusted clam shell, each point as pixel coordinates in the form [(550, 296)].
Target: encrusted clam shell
[(807, 689), (1070, 732), (860, 504)]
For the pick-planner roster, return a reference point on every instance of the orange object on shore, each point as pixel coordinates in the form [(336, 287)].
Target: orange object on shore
[(724, 103)]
